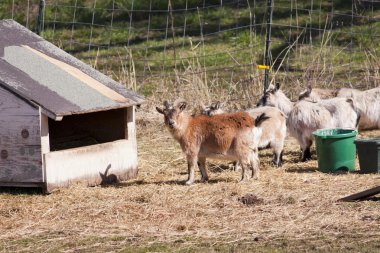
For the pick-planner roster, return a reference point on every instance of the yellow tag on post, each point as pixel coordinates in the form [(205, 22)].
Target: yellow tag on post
[(262, 67)]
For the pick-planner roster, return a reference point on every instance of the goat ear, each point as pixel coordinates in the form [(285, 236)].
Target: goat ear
[(203, 107), (351, 101), (277, 86), (217, 105), (160, 110), (308, 91), (182, 106)]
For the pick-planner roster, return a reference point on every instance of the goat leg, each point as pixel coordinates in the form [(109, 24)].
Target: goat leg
[(202, 168), (277, 158), (191, 162), (244, 170), (306, 154), (255, 163)]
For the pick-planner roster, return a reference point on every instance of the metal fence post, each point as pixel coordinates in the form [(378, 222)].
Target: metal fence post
[(267, 44), (40, 18)]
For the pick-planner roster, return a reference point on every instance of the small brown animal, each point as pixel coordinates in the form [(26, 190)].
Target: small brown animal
[(273, 130), (230, 136)]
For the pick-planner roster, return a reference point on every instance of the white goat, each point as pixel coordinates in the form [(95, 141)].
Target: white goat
[(347, 92), (367, 103), (304, 117), (273, 129), (316, 94), (232, 136)]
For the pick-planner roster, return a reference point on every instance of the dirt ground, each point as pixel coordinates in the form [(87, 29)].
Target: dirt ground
[(289, 209)]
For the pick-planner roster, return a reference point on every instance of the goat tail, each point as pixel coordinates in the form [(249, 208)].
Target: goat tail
[(260, 119), (255, 138), (257, 130), (357, 120), (358, 114)]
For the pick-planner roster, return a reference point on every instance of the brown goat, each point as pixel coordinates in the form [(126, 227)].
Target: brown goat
[(230, 136), (273, 130)]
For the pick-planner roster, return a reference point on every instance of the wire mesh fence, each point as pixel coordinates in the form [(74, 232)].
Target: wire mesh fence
[(211, 49)]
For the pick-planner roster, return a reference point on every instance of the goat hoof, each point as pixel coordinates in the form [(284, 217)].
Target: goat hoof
[(278, 165), (188, 182), (244, 180), (204, 179)]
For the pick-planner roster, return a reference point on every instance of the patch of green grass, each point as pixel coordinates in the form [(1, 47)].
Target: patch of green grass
[(146, 45)]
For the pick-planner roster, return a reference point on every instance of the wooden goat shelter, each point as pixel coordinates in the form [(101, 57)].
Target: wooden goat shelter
[(60, 120)]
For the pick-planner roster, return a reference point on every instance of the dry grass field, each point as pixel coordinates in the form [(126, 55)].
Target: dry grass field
[(289, 209)]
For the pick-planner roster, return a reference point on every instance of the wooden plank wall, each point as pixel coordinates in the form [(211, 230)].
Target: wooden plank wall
[(86, 163), (20, 143)]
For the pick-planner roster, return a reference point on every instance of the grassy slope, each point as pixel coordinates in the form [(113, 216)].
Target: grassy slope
[(150, 57)]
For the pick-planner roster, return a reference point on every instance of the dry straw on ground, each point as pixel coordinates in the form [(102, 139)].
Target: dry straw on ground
[(293, 208)]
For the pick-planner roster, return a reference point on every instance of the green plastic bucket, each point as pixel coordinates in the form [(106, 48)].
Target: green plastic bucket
[(336, 150)]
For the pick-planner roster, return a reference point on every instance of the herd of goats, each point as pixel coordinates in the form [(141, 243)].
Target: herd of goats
[(237, 136)]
